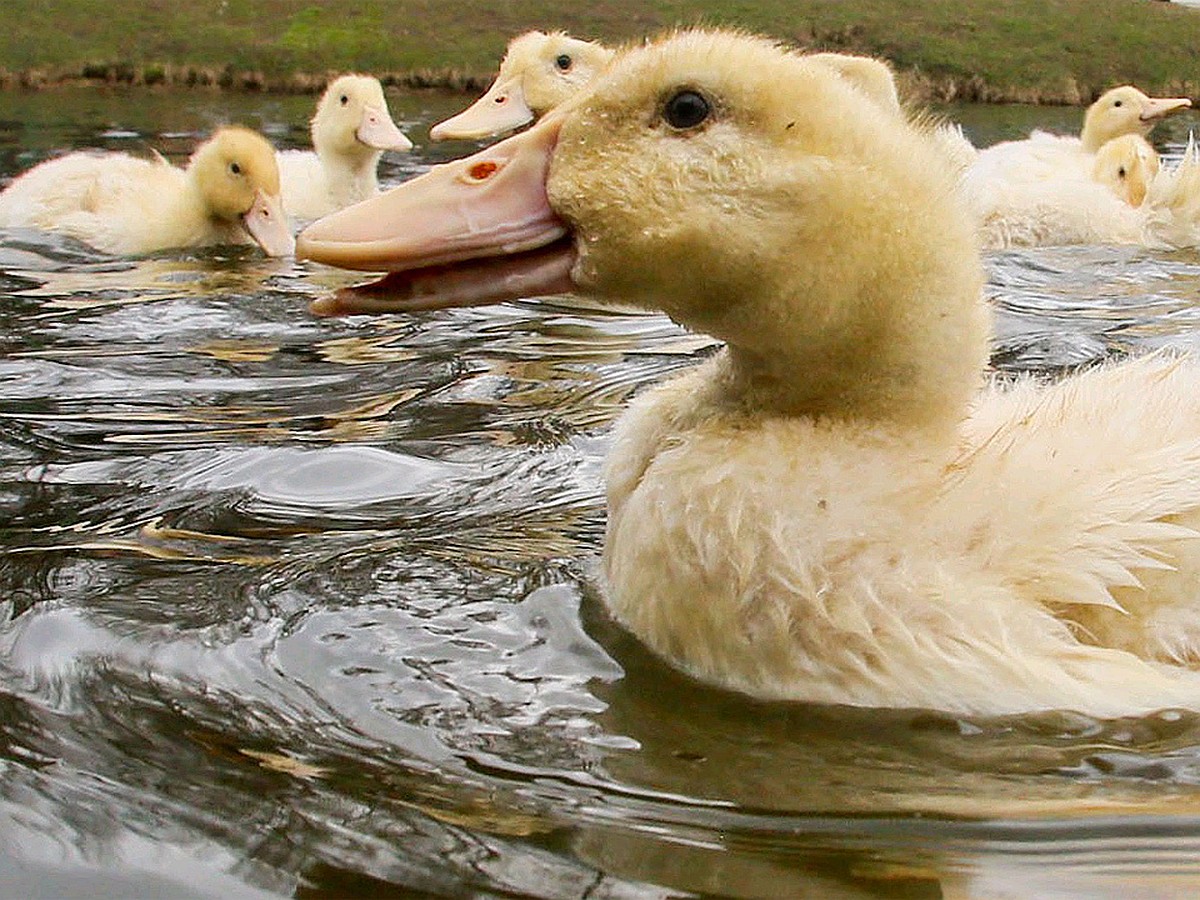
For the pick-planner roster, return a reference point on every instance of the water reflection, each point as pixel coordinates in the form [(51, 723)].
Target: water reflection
[(303, 606)]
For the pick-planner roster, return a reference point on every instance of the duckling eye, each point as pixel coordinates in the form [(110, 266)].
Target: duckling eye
[(687, 109), (235, 168), (1121, 172), (1117, 103), (343, 99), (563, 62)]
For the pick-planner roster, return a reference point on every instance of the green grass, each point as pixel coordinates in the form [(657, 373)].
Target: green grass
[(1066, 51)]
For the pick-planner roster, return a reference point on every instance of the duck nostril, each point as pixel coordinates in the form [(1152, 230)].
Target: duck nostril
[(481, 171)]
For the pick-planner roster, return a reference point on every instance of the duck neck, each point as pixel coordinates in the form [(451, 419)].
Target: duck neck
[(1095, 135), (191, 219), (919, 373), (354, 168)]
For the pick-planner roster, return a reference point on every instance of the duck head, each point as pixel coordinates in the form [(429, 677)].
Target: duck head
[(746, 191), (539, 71), (1126, 165), (352, 119), (238, 180), (1125, 110)]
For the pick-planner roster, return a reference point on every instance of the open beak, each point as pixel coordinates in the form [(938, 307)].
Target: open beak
[(490, 204), (268, 225), (501, 109), (377, 130), (473, 231), (1156, 109), (472, 283)]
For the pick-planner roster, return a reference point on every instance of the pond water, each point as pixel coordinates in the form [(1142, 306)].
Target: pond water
[(307, 607)]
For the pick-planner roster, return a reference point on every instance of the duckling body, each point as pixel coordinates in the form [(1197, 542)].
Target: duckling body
[(847, 563), (121, 204), (1047, 203), (351, 129), (837, 507)]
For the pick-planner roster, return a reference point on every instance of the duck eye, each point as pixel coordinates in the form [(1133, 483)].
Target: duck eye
[(343, 99), (563, 62), (1116, 103), (687, 109), (235, 168), (1121, 172)]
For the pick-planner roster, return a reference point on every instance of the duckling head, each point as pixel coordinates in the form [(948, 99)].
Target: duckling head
[(747, 192), (1125, 110), (238, 181), (352, 119), (539, 71), (1126, 165)]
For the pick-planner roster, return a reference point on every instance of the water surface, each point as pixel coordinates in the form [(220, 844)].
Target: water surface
[(308, 607)]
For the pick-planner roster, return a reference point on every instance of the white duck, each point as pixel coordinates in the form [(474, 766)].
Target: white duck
[(836, 508), (229, 193), (351, 129), (539, 71), (1041, 190)]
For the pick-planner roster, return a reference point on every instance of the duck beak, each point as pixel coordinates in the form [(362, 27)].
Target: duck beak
[(501, 109), (378, 131), (490, 204), (268, 225), (476, 282), (1156, 109)]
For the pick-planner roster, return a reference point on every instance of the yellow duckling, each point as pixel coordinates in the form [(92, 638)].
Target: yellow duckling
[(539, 71), (350, 130), (228, 194), (1125, 110), (1126, 165), (1041, 190), (838, 507)]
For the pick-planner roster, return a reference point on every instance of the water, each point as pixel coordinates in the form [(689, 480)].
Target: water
[(307, 607)]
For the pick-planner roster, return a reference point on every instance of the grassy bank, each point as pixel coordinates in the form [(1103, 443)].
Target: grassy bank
[(1023, 50)]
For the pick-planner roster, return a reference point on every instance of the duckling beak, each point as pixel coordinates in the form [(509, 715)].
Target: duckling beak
[(477, 282), (378, 131), (268, 225), (1159, 108), (501, 109), (490, 204)]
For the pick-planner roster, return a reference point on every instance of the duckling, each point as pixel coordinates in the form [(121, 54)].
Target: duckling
[(539, 71), (1125, 110), (1126, 165), (1041, 190), (838, 507), (350, 130), (117, 203)]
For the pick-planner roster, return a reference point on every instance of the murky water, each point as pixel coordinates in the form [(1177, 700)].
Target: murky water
[(307, 607)]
